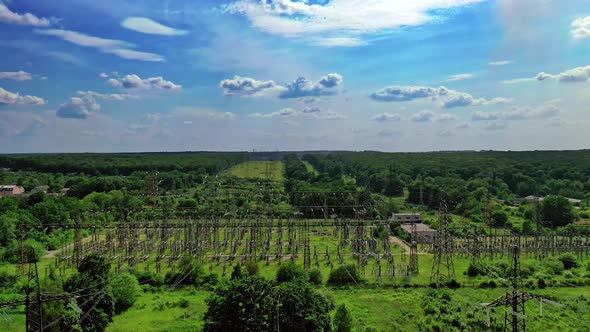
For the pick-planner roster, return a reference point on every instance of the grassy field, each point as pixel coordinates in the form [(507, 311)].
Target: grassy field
[(268, 170), (383, 309)]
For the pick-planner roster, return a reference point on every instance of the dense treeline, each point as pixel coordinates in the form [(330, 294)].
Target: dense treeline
[(122, 163), (563, 173)]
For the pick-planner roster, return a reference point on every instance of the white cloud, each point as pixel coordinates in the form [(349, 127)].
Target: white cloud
[(500, 63), (331, 116), (103, 75), (7, 97), (15, 75), (578, 74), (111, 97), (448, 98), (303, 87), (424, 116), (136, 55), (460, 77), (383, 117), (111, 46), (544, 111), (153, 117), (581, 28), (340, 21), (245, 86), (310, 109), (190, 115), (445, 133), (149, 26), (8, 16), (285, 112), (135, 82), (78, 108), (444, 117)]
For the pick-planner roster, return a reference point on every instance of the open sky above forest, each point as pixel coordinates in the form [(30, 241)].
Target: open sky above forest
[(403, 75)]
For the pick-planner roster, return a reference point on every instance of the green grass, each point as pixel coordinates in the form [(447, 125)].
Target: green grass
[(161, 312), (268, 170)]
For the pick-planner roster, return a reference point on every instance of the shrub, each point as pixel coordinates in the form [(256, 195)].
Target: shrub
[(568, 260), (315, 277), (553, 265), (251, 268), (541, 283), (149, 278), (474, 271), (342, 319), (345, 274), (125, 289), (289, 272)]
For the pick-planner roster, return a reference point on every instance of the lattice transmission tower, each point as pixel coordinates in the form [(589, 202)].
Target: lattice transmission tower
[(443, 269)]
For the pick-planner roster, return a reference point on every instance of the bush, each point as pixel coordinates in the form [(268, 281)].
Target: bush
[(553, 265), (342, 319), (474, 271), (289, 272), (251, 268), (149, 278), (568, 260), (126, 290), (315, 277), (345, 274), (541, 283)]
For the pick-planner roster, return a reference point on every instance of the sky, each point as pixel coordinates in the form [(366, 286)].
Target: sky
[(266, 75)]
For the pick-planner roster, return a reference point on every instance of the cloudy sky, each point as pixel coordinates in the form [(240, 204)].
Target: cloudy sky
[(403, 75)]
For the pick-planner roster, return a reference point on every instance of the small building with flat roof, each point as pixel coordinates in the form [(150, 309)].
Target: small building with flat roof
[(11, 190)]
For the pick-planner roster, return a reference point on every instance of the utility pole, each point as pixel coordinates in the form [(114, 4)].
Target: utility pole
[(514, 300), (413, 268), (443, 269)]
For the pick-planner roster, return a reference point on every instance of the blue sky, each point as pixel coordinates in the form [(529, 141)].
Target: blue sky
[(404, 75)]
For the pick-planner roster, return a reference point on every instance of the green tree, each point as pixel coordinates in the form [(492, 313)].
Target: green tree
[(126, 290), (342, 319), (91, 282), (241, 304), (557, 211), (298, 307)]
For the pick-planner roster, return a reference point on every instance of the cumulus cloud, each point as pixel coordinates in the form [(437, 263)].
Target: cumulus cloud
[(424, 116), (387, 133), (383, 117), (446, 97), (445, 133), (545, 111), (459, 77), (103, 75), (500, 63), (15, 75), (310, 109), (303, 87), (245, 86), (578, 74), (78, 108), (149, 26), (119, 48), (10, 98), (444, 117), (342, 22), (135, 82), (580, 28), (8, 16)]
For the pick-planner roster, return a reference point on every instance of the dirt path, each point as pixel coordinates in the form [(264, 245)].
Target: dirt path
[(52, 253), (399, 242)]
